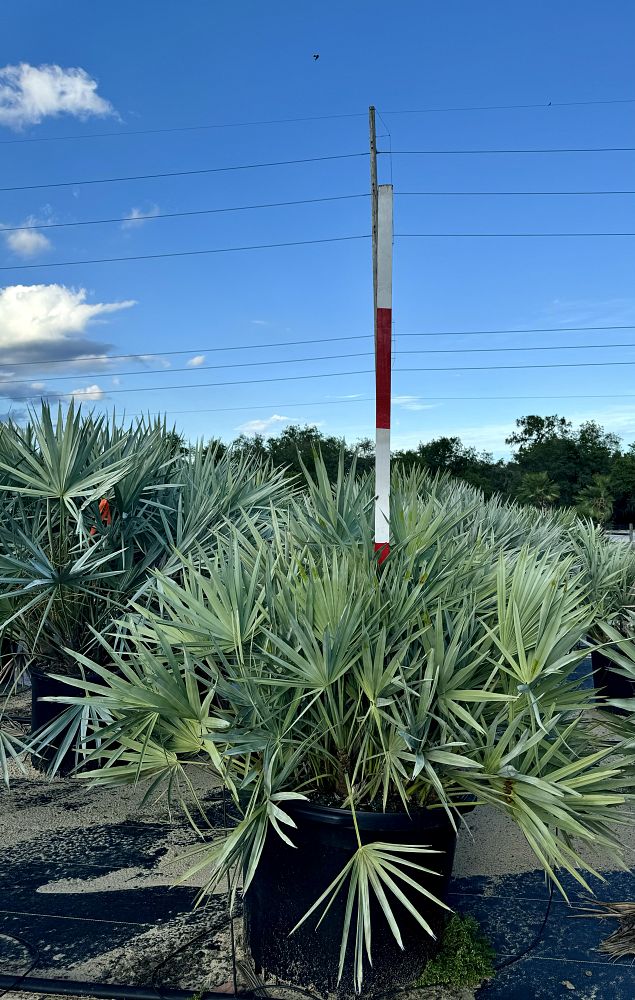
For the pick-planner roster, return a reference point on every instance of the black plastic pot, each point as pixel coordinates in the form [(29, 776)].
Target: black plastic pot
[(609, 683), (289, 880), (43, 713)]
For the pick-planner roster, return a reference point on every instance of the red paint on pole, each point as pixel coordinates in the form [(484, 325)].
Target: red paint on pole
[(382, 550), (382, 367)]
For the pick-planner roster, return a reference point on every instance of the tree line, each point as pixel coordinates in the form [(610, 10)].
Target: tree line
[(553, 464)]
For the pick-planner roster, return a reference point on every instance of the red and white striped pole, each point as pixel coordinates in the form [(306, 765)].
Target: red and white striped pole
[(383, 353)]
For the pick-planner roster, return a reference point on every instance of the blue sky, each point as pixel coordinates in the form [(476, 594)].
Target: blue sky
[(151, 66)]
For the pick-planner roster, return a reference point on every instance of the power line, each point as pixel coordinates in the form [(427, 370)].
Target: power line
[(180, 215), (260, 406), (209, 385), (495, 368), (317, 340), (324, 357), (292, 243), (498, 194), (181, 253), (481, 236), (183, 173), (580, 395), (367, 399), (185, 128), (197, 350), (206, 368), (500, 350), (544, 106), (490, 333), (310, 159), (365, 371), (483, 152)]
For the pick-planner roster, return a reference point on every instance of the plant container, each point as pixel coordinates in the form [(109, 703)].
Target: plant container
[(43, 713), (289, 880), (609, 683)]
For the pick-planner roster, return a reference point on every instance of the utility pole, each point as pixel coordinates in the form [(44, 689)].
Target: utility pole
[(381, 198), (373, 204)]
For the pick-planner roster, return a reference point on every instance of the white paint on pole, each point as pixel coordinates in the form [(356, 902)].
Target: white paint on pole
[(384, 246), (383, 348), (382, 487)]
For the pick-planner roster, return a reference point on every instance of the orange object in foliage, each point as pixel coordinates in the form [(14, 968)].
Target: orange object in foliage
[(104, 513), (104, 510)]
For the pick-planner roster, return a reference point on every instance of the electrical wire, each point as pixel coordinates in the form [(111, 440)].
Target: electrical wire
[(205, 350), (291, 243), (497, 194), (487, 152), (258, 406), (182, 173), (322, 357), (551, 364), (481, 236), (318, 340), (209, 385), (491, 333), (310, 159), (544, 106), (78, 393), (181, 215), (370, 399), (312, 118), (580, 395), (186, 128), (200, 368), (183, 253), (501, 350)]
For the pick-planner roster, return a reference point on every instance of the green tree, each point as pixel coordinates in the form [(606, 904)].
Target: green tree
[(596, 499), (449, 454), (534, 430), (570, 458), (623, 487), (537, 489), (597, 451)]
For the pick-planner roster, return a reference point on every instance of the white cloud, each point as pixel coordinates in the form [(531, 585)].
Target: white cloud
[(153, 359), (412, 403), (259, 426), (261, 322), (116, 380), (137, 216), (92, 393), (28, 94), (42, 325), (197, 360), (27, 242), (34, 312)]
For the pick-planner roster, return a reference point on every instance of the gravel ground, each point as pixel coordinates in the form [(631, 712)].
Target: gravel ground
[(90, 874)]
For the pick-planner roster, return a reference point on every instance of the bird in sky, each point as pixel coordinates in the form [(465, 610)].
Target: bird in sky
[(316, 56)]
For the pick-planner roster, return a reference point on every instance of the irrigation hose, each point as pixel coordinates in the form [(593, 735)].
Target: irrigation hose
[(102, 991)]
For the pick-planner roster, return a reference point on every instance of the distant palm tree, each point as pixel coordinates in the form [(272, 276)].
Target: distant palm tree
[(538, 489), (596, 499)]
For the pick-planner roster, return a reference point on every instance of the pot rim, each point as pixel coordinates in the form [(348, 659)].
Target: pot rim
[(423, 819)]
